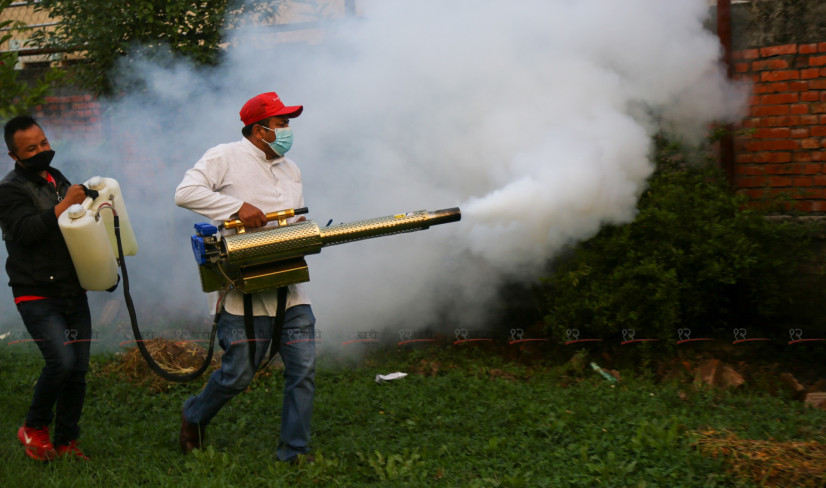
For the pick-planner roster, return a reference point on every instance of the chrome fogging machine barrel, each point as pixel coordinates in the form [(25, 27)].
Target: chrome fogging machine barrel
[(272, 257)]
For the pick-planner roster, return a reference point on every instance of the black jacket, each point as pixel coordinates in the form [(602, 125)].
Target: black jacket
[(39, 263)]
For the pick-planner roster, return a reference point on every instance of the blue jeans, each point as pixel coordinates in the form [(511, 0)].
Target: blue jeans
[(298, 353), (62, 329)]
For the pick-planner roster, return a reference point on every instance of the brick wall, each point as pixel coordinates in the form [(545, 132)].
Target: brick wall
[(70, 116), (782, 148)]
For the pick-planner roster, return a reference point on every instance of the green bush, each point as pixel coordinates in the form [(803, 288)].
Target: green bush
[(696, 256)]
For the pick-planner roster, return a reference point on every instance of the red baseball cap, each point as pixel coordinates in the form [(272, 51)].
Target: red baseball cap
[(266, 105)]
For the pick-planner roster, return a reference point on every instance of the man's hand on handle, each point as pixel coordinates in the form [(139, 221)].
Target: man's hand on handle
[(251, 216), (75, 194)]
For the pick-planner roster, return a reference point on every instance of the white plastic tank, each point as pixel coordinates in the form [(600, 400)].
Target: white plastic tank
[(88, 243), (109, 192)]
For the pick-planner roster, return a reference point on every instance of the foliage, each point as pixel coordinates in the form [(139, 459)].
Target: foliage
[(16, 95), (104, 32), (457, 424), (695, 256)]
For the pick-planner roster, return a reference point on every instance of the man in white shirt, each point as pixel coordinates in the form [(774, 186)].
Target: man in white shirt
[(244, 180)]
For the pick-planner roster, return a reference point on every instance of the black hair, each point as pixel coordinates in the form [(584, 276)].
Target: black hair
[(247, 130), (21, 122)]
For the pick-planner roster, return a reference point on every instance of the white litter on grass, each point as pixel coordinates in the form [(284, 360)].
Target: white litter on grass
[(381, 378)]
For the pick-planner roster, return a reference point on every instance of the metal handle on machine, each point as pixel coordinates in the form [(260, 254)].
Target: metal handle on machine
[(281, 216)]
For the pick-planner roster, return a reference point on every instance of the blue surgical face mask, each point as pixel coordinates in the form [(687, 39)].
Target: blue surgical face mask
[(283, 140)]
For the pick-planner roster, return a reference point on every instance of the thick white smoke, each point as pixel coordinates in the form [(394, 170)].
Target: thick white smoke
[(535, 117)]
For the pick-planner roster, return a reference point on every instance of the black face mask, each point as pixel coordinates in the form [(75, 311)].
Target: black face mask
[(38, 162)]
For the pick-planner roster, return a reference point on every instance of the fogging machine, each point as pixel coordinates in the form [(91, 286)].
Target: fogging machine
[(273, 256)]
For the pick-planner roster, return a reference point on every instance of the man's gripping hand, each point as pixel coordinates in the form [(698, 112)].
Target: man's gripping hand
[(75, 194), (251, 216)]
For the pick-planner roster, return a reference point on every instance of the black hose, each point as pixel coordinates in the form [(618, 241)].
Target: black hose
[(153, 365)]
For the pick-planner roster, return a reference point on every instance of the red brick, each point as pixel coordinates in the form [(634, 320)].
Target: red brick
[(807, 48), (818, 155), (750, 122), (799, 109), (773, 87), (754, 100), (812, 169), (754, 146), (753, 53), (820, 180), (823, 72), (810, 96), (781, 75), (779, 181), (778, 157), (809, 73), (819, 131), (798, 86), (754, 194), (802, 157), (741, 67), (779, 99), (818, 108), (817, 60), (802, 181), (772, 110), (773, 64), (808, 119), (803, 206), (821, 46), (800, 133), (749, 170), (819, 84), (777, 133), (818, 206), (782, 145), (810, 144), (778, 50)]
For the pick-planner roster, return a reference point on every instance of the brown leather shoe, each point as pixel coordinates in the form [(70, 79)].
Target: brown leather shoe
[(191, 435)]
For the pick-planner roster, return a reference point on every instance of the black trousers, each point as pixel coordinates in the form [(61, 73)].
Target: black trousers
[(62, 329)]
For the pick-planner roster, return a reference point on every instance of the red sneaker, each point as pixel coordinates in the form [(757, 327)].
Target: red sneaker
[(71, 449), (36, 442)]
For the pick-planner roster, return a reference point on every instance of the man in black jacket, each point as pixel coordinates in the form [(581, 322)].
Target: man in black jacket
[(46, 289)]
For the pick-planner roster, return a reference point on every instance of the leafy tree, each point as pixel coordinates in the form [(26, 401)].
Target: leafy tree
[(103, 31), (16, 95)]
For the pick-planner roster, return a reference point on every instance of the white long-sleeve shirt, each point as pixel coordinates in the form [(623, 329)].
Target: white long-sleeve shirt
[(223, 179)]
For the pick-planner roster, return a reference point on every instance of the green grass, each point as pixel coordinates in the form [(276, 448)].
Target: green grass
[(472, 419)]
